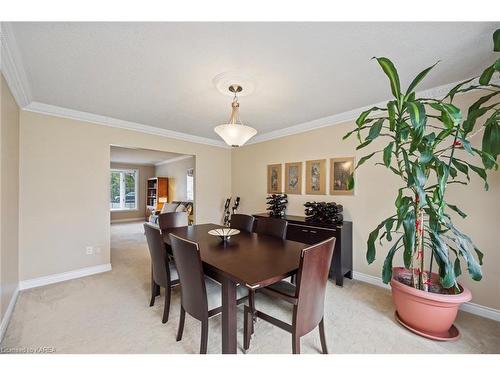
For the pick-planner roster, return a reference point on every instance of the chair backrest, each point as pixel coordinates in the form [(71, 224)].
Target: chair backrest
[(312, 278), (242, 222), (191, 276), (172, 220), (159, 257), (271, 226)]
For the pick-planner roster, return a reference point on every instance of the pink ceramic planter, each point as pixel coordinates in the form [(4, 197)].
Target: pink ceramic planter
[(428, 314)]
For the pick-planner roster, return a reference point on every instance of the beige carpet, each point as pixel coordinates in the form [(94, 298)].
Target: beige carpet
[(109, 313)]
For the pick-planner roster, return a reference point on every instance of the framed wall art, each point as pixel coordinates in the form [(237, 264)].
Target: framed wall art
[(340, 171), (293, 178), (274, 179), (316, 177)]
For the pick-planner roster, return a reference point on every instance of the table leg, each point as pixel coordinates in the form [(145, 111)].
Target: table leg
[(228, 317)]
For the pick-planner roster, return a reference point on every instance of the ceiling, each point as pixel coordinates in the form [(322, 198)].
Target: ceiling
[(160, 74), (141, 156)]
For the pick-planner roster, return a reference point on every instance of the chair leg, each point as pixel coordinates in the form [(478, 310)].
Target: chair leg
[(295, 344), (251, 303), (155, 291), (247, 327), (204, 337), (322, 336), (181, 324), (166, 309)]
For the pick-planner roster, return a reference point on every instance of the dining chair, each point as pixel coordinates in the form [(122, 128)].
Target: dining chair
[(271, 226), (168, 220), (163, 271), (201, 297), (242, 222), (307, 297), (173, 220)]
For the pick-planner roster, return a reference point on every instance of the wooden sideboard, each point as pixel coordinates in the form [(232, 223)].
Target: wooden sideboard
[(304, 231)]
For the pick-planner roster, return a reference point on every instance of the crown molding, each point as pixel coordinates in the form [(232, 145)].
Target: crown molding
[(12, 67), (435, 92), (173, 160), (48, 109)]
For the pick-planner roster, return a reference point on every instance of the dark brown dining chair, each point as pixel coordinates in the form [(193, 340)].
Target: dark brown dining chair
[(201, 297), (271, 226), (168, 220), (173, 220), (242, 222), (307, 297), (163, 270)]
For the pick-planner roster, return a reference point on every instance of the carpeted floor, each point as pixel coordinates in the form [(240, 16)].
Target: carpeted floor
[(109, 313)]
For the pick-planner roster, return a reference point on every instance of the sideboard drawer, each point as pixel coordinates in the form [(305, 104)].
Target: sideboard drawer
[(308, 234)]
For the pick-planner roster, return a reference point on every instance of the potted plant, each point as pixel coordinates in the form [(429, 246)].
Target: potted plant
[(427, 140)]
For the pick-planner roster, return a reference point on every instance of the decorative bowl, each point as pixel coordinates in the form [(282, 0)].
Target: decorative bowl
[(223, 233)]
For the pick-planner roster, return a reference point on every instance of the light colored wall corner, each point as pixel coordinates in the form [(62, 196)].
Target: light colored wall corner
[(178, 171), (7, 316), (145, 172), (375, 192), (68, 161), (9, 199)]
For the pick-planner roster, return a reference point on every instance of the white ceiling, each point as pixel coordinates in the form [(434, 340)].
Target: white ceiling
[(160, 74), (140, 156)]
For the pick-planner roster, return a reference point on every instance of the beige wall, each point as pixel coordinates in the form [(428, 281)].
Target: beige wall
[(178, 171), (64, 189), (145, 172), (374, 197), (9, 193)]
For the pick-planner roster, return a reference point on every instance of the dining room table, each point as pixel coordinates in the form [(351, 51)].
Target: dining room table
[(249, 259)]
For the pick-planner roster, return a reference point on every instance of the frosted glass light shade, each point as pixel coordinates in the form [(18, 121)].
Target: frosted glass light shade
[(235, 135)]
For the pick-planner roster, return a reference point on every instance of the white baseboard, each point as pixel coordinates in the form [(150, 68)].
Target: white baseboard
[(56, 278), (142, 218), (473, 308), (8, 314)]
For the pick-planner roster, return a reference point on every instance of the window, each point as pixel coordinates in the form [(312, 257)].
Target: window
[(123, 189), (190, 185)]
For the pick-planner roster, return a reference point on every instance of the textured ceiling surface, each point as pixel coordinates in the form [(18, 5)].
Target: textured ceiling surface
[(160, 74)]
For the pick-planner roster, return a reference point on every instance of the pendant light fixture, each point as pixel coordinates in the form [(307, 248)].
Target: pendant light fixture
[(234, 133)]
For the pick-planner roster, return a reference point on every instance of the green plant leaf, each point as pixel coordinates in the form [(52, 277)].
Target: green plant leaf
[(362, 117), (409, 237), (391, 109), (392, 74), (419, 78), (481, 173), (496, 40), (491, 140), (418, 118), (457, 88), (370, 252), (456, 268), (457, 210), (440, 249), (363, 159), (375, 130), (364, 144), (487, 74), (387, 268), (387, 154), (461, 167)]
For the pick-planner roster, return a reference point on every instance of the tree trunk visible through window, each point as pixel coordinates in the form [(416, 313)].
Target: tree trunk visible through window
[(123, 189)]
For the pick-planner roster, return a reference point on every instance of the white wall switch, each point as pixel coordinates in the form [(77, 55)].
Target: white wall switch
[(90, 250)]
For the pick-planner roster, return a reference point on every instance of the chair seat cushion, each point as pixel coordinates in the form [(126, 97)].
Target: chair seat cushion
[(214, 293), (283, 287), (174, 275)]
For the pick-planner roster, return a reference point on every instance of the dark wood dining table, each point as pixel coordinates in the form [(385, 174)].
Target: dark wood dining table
[(249, 259)]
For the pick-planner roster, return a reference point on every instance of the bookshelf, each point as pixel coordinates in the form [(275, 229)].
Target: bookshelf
[(157, 188)]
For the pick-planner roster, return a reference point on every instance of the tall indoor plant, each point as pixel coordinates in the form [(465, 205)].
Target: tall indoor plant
[(427, 141)]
